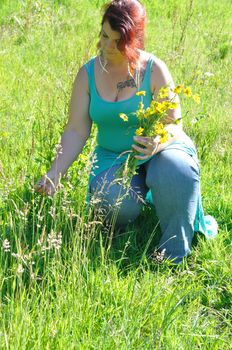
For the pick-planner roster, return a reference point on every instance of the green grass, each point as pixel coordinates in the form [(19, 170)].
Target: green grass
[(99, 290)]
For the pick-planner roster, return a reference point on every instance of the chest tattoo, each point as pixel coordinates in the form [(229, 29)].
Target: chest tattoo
[(130, 82)]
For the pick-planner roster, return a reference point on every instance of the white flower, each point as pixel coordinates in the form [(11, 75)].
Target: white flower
[(208, 74), (6, 245), (54, 240), (16, 255), (20, 269), (193, 121)]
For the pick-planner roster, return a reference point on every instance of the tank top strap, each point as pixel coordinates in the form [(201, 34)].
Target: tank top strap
[(89, 66), (147, 77), (150, 62)]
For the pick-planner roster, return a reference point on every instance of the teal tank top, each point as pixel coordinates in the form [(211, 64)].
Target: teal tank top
[(114, 136), (113, 133)]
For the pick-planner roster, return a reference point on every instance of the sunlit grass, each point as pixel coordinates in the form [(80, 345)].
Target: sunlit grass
[(67, 280)]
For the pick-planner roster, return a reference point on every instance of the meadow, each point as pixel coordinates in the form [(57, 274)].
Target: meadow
[(66, 281)]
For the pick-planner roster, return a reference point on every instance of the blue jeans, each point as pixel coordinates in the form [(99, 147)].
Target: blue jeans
[(173, 178)]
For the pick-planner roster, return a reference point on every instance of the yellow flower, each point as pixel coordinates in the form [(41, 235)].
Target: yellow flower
[(163, 92), (173, 105), (178, 89), (160, 107), (141, 93), (188, 92), (196, 98), (83, 157), (159, 128), (139, 131), (164, 137), (124, 117), (168, 105)]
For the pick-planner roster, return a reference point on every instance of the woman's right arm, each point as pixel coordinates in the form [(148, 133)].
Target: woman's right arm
[(74, 137)]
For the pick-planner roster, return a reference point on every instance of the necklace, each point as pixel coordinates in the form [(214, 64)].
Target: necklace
[(132, 79)]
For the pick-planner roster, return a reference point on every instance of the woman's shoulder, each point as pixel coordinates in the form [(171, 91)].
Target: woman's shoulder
[(160, 74), (156, 61), (81, 78), (84, 73), (157, 64), (84, 68)]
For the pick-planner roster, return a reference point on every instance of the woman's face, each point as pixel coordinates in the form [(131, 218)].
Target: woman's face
[(109, 40)]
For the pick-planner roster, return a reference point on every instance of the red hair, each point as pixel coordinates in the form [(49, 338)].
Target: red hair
[(127, 17)]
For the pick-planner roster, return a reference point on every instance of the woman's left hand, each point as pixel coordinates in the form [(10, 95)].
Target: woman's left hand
[(150, 144)]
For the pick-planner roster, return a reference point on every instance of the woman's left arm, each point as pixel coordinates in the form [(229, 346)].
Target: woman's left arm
[(161, 77)]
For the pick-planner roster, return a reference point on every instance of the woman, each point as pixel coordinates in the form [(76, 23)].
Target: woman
[(168, 172)]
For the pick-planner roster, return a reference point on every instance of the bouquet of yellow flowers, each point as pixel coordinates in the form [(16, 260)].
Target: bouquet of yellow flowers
[(150, 125)]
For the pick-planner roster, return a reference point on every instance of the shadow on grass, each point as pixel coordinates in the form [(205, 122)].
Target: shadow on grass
[(136, 242)]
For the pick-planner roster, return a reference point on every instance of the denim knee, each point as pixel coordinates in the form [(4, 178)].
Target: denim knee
[(171, 168)]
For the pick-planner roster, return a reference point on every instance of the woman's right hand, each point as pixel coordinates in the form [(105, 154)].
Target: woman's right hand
[(46, 186)]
